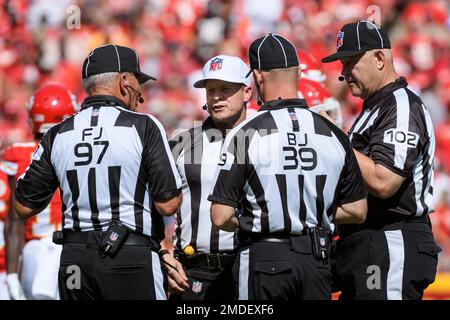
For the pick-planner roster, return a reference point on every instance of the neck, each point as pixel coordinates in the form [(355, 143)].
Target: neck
[(388, 77), (275, 90), (229, 123), (100, 91)]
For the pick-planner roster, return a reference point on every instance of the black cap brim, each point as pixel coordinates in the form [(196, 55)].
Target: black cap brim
[(341, 54), (142, 77)]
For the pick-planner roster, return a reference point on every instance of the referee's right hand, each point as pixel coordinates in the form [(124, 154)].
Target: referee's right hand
[(178, 282)]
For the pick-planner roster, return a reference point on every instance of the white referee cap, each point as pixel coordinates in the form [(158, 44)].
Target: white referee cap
[(225, 68)]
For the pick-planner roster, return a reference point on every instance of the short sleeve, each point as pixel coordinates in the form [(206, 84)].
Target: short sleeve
[(230, 177), (351, 184), (36, 186), (396, 139), (164, 179)]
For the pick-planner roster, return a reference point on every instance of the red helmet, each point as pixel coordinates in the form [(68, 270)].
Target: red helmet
[(319, 98), (49, 105), (310, 67)]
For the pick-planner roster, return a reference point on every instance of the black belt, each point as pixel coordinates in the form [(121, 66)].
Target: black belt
[(279, 239), (419, 219), (386, 222), (276, 237), (133, 239), (387, 219), (214, 261)]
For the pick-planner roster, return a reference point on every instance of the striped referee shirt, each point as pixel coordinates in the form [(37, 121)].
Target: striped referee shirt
[(395, 130), (196, 152), (289, 167), (110, 163)]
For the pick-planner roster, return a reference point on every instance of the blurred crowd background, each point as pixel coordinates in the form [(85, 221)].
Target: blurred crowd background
[(45, 41)]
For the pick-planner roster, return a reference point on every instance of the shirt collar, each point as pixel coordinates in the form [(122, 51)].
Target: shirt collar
[(103, 101), (384, 92), (207, 125), (283, 103)]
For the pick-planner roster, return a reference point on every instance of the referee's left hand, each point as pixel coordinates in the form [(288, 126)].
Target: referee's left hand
[(178, 282)]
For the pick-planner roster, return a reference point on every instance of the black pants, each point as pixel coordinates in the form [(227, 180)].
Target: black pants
[(208, 285), (134, 273), (394, 263), (277, 271)]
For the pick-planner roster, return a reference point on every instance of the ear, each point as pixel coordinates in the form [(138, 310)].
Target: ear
[(123, 81), (247, 93), (257, 77), (380, 59)]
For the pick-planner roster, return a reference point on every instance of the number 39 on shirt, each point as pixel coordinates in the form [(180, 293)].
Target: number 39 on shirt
[(298, 154)]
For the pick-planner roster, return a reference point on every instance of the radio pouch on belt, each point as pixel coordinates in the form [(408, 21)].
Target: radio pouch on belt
[(113, 239), (58, 237), (320, 239)]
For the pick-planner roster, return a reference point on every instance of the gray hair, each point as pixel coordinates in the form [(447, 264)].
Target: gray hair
[(99, 80)]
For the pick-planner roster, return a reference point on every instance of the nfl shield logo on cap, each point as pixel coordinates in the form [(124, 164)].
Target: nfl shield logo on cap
[(225, 68), (216, 64), (340, 39)]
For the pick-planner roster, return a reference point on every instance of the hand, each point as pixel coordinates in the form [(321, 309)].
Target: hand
[(178, 282), (14, 287)]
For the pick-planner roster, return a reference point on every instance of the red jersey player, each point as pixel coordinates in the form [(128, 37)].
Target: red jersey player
[(49, 105), (4, 204)]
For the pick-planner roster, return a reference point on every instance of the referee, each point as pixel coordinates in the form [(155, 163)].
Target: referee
[(117, 177), (393, 254), (207, 253), (295, 174)]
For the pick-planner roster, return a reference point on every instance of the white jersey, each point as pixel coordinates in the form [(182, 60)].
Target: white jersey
[(110, 164)]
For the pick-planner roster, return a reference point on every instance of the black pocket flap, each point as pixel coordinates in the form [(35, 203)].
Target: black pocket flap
[(273, 267), (428, 248)]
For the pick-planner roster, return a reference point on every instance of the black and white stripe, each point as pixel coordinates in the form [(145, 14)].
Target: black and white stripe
[(275, 36), (372, 25), (395, 273), (395, 130), (376, 29), (88, 59), (196, 152), (288, 170), (115, 170)]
